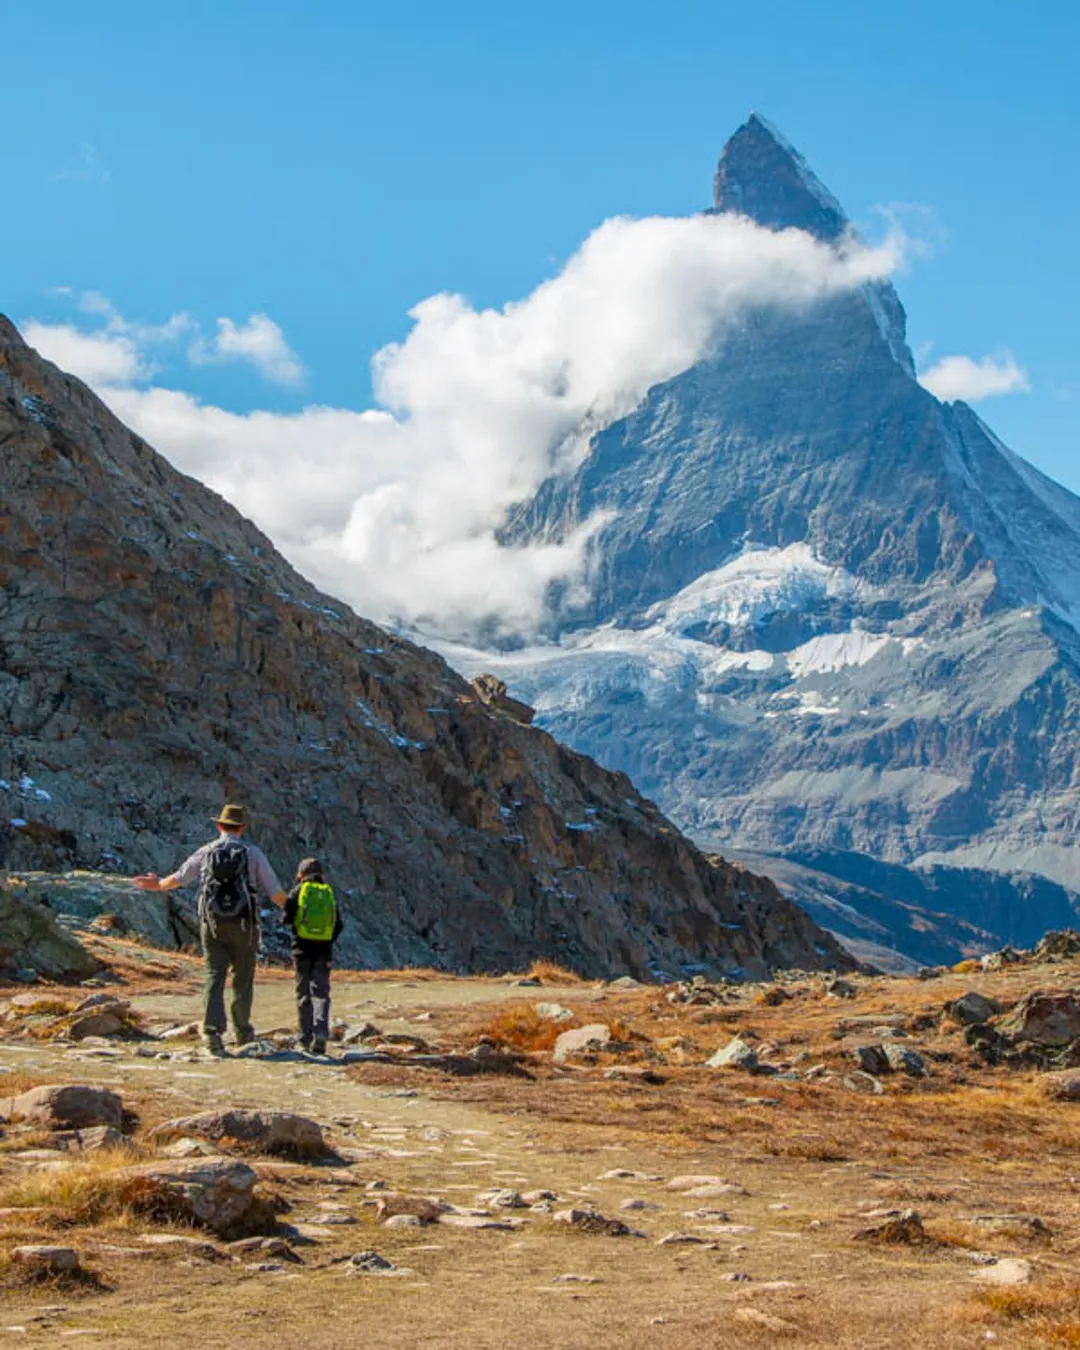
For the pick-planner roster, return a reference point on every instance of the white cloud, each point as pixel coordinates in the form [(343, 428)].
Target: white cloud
[(396, 509), (260, 341), (961, 377), (98, 358)]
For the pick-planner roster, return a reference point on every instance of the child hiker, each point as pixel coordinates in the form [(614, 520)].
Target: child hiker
[(311, 912)]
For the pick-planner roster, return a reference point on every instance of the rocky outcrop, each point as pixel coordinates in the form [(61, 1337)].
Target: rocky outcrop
[(157, 656), (31, 940)]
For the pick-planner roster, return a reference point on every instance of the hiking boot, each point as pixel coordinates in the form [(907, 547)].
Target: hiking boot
[(214, 1044), (318, 1047), (245, 1037)]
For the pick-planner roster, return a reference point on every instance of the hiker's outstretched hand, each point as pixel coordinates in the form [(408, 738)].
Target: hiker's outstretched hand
[(149, 882)]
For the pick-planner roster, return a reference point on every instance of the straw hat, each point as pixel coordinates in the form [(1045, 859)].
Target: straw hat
[(233, 816)]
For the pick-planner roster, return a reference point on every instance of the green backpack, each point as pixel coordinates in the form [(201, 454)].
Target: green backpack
[(316, 912)]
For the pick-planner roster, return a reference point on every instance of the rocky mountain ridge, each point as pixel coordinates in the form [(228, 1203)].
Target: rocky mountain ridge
[(157, 656), (828, 612)]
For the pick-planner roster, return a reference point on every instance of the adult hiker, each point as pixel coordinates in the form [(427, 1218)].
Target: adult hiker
[(312, 914), (231, 871)]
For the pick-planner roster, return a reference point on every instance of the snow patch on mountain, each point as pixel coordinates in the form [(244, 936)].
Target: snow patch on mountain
[(758, 581)]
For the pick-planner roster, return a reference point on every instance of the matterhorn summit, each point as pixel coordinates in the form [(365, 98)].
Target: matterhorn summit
[(829, 618)]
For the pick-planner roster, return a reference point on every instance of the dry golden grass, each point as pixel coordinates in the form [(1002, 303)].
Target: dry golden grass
[(550, 973), (92, 1191), (1050, 1312)]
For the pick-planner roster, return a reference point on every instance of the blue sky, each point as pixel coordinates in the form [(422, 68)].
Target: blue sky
[(329, 164)]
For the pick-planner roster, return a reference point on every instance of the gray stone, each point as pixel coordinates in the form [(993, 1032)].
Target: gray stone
[(591, 1221), (1045, 1019), (503, 1199), (902, 1059), (580, 1040), (972, 1008), (737, 1054), (1007, 1270), (860, 1081), (685, 1240), (214, 1193), (34, 943), (1063, 1086), (871, 1058), (371, 1263), (268, 1131), (72, 1106), (553, 1012), (44, 1260)]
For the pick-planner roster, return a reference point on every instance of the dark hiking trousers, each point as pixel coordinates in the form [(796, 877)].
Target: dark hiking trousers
[(233, 945), (312, 997)]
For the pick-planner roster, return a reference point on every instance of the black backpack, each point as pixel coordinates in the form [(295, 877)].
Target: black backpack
[(225, 891)]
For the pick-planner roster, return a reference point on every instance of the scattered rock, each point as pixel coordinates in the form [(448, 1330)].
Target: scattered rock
[(860, 1081), (576, 1279), (187, 1246), (591, 1221), (1005, 1271), (972, 1009), (35, 944), (493, 693), (870, 1058), (371, 1263), (626, 982), (638, 1205), (72, 1106), (685, 1240), (902, 1059), (1058, 945), (1062, 1087), (480, 1221), (1022, 1225), (274, 1247), (869, 1022), (47, 1261), (396, 1202), (403, 1221), (268, 1131), (904, 1227), (592, 1037), (737, 1054), (503, 1199), (1046, 1019), (705, 1187), (624, 1174), (91, 1140), (214, 1193), (553, 1012), (841, 988), (707, 1215)]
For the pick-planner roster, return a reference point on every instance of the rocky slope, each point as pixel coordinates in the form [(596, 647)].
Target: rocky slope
[(157, 656), (829, 612)]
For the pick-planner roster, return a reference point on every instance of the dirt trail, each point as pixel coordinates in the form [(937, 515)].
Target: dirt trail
[(773, 1261)]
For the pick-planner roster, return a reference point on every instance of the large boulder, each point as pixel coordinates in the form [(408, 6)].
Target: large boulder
[(266, 1131), (972, 1009), (31, 939), (215, 1193), (71, 1106), (1043, 1019)]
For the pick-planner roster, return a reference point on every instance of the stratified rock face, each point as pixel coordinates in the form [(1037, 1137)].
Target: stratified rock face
[(157, 657), (829, 613)]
